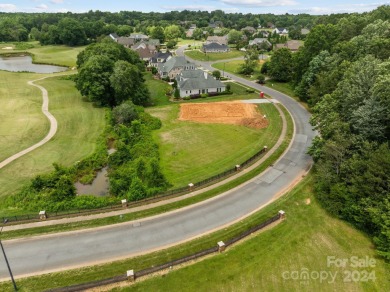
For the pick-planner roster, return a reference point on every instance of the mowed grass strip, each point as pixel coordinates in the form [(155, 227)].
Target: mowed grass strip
[(269, 260), (233, 67), (191, 152), (79, 126), (22, 121), (157, 89), (200, 56)]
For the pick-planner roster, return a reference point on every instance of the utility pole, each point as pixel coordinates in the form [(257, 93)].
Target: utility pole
[(6, 260)]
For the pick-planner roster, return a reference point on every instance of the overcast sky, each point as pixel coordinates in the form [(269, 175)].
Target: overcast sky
[(244, 6)]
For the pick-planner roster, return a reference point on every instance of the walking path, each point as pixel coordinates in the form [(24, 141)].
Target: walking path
[(52, 131)]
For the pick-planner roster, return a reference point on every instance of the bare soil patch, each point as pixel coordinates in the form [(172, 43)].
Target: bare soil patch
[(236, 113)]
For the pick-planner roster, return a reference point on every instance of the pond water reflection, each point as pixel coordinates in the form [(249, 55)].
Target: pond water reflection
[(99, 186), (24, 64)]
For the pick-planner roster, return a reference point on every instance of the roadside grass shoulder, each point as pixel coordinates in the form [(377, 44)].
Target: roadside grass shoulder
[(287, 89)]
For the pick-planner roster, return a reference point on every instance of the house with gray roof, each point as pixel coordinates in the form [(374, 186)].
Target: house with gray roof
[(280, 31), (158, 58), (222, 40), (261, 43), (292, 45), (215, 48), (174, 66), (139, 37), (193, 82)]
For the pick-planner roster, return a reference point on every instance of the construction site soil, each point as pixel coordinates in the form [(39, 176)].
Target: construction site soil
[(235, 112)]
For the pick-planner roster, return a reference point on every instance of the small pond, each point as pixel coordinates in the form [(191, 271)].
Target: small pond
[(99, 186), (24, 64)]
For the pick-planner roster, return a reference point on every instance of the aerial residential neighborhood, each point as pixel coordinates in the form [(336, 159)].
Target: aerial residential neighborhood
[(194, 146)]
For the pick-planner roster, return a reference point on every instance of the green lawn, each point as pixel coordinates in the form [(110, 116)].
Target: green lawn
[(183, 42), (267, 261), (200, 56), (191, 152), (22, 122), (79, 126), (157, 89), (233, 68)]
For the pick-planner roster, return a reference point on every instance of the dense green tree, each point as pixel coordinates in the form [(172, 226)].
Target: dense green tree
[(234, 36), (125, 113), (109, 49), (93, 80), (197, 34), (124, 30), (158, 33), (71, 32), (172, 32), (280, 66), (217, 74), (127, 82)]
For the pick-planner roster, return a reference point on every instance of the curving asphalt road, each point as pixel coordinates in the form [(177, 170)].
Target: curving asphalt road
[(73, 249)]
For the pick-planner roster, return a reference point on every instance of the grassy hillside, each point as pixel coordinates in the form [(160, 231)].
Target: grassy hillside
[(79, 125), (22, 122)]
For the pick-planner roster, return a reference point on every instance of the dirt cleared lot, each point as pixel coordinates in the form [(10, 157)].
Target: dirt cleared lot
[(236, 113)]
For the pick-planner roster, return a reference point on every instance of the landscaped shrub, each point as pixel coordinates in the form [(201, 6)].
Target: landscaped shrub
[(194, 96)]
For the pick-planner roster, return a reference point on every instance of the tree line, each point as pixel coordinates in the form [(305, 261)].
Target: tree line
[(343, 73), (82, 28)]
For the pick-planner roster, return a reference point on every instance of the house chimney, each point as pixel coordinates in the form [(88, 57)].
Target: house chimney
[(205, 75)]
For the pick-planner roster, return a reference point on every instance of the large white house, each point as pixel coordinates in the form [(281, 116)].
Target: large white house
[(194, 82), (173, 66)]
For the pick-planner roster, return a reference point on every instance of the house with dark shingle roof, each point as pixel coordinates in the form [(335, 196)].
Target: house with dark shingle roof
[(215, 48), (144, 50), (193, 82), (262, 43), (158, 58), (280, 31), (174, 66), (222, 40)]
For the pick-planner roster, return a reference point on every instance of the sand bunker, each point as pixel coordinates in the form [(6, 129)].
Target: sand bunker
[(236, 113)]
